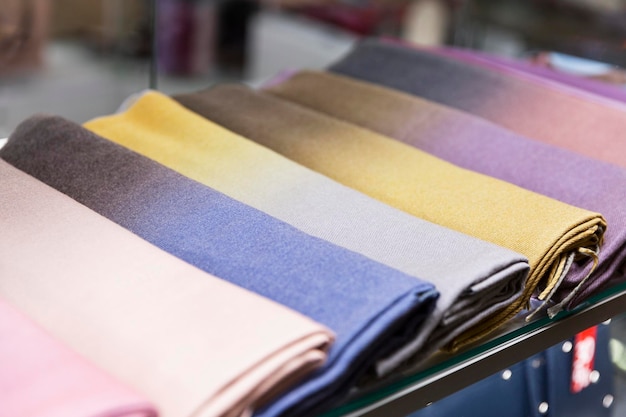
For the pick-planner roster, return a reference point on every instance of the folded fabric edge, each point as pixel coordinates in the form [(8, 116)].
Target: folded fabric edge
[(441, 333), (615, 269), (588, 234), (329, 385), (268, 379), (541, 270)]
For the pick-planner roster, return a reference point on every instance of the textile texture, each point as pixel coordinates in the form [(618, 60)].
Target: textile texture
[(536, 72), (528, 108), (128, 306), (371, 308), (43, 378), (548, 232), (476, 144), (475, 278)]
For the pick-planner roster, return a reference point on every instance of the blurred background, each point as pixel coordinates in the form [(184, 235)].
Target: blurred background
[(81, 58)]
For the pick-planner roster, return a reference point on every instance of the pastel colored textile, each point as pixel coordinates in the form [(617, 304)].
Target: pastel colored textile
[(475, 278), (43, 378), (371, 308), (548, 232), (481, 146), (536, 72), (550, 115), (585, 88), (183, 338)]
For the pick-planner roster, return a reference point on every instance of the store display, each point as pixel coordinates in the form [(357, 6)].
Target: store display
[(421, 185), (324, 244), (475, 278), (546, 114), (372, 308), (476, 144), (183, 338), (40, 376)]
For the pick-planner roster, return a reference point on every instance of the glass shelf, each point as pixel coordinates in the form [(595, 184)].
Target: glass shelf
[(411, 390)]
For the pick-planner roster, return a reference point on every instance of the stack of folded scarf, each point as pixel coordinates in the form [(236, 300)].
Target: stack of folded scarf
[(188, 341), (475, 278), (570, 119), (476, 144), (421, 185), (371, 308), (236, 252)]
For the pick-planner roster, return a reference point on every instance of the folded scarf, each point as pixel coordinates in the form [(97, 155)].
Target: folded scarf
[(542, 76), (475, 278), (556, 117), (481, 146), (41, 377), (192, 343), (537, 73), (371, 308), (548, 232)]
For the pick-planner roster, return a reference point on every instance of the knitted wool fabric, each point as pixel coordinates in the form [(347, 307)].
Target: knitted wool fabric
[(190, 342), (548, 232), (475, 278), (479, 145), (550, 115), (371, 308)]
